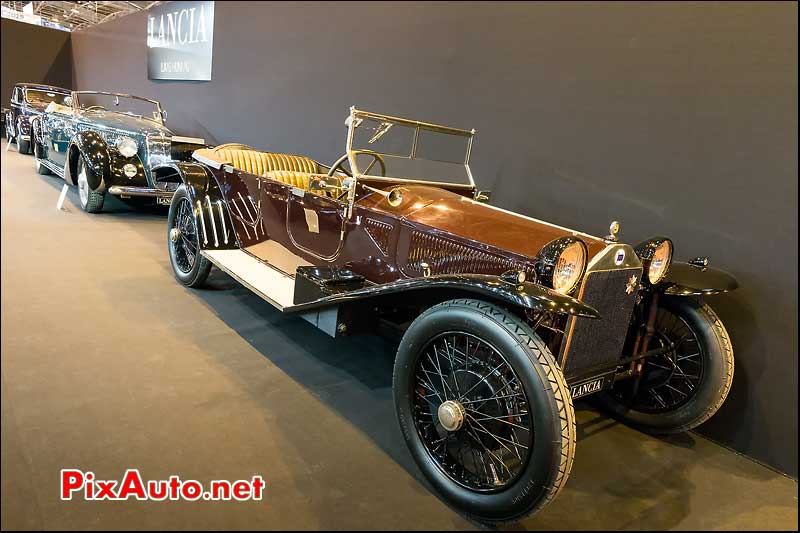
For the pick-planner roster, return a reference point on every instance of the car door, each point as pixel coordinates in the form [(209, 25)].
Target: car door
[(58, 127), (315, 223)]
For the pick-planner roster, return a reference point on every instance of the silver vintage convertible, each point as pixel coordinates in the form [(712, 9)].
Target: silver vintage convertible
[(107, 143)]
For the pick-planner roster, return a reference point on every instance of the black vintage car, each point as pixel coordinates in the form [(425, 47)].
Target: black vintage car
[(28, 100), (505, 319), (107, 143)]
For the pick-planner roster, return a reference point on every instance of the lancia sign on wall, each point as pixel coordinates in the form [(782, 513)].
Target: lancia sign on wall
[(180, 40)]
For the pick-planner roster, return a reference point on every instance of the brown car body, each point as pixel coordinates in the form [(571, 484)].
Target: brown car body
[(352, 250)]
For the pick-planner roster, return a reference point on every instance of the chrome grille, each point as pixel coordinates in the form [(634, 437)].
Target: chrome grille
[(158, 149)]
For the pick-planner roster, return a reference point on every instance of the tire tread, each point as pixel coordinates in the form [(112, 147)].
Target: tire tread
[(727, 347), (557, 383)]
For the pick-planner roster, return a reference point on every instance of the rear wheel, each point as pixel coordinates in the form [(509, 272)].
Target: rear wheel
[(684, 387), (91, 201), (37, 160), (189, 266), (484, 410)]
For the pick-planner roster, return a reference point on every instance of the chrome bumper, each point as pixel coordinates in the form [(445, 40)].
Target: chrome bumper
[(122, 190)]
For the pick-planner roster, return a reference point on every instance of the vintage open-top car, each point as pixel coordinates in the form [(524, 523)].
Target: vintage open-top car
[(107, 143), (28, 100), (505, 319)]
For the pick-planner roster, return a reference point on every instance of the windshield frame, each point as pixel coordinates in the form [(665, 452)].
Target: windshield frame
[(162, 114), (357, 115)]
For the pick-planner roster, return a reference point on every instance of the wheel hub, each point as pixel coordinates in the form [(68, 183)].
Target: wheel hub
[(174, 234), (451, 415)]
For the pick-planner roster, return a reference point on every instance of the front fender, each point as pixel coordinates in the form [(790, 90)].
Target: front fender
[(448, 286), (685, 279), (96, 157)]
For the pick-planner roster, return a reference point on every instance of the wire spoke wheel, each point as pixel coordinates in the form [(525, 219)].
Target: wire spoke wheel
[(183, 237), (471, 412), (671, 379)]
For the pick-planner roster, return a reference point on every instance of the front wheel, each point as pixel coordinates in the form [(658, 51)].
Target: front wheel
[(91, 201), (189, 266), (484, 410), (23, 145), (9, 131), (684, 387)]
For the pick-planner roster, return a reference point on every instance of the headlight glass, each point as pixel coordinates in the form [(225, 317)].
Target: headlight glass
[(127, 147), (569, 267), (659, 264)]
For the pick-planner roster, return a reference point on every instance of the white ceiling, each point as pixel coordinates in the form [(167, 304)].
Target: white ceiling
[(76, 15)]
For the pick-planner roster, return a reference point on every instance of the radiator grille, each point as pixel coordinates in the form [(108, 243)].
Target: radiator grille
[(597, 342), (444, 256)]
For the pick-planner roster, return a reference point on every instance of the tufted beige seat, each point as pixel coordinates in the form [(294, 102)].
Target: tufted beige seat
[(259, 163), (294, 170)]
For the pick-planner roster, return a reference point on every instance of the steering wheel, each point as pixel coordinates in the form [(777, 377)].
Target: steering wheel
[(376, 157), (101, 108)]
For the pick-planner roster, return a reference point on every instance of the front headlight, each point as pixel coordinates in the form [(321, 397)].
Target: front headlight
[(656, 255), (659, 264), (127, 147), (569, 268), (561, 264)]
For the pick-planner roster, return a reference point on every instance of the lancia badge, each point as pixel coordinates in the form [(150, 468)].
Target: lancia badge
[(631, 285), (619, 257)]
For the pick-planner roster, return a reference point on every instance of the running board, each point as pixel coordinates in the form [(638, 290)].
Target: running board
[(267, 281), (55, 169)]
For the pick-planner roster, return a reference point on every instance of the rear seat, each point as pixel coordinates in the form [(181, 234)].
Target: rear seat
[(294, 170)]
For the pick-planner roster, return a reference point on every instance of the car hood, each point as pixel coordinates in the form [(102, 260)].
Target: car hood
[(458, 215), (121, 121)]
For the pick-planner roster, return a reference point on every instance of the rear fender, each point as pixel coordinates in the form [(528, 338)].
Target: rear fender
[(210, 208)]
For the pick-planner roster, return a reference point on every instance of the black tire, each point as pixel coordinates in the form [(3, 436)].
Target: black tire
[(9, 136), (704, 394), (551, 449), (24, 146), (37, 160), (91, 201), (189, 266)]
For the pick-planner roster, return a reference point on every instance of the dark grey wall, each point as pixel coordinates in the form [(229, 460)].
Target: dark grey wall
[(33, 54), (677, 119)]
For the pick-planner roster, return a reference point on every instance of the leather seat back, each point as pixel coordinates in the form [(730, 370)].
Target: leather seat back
[(258, 163)]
